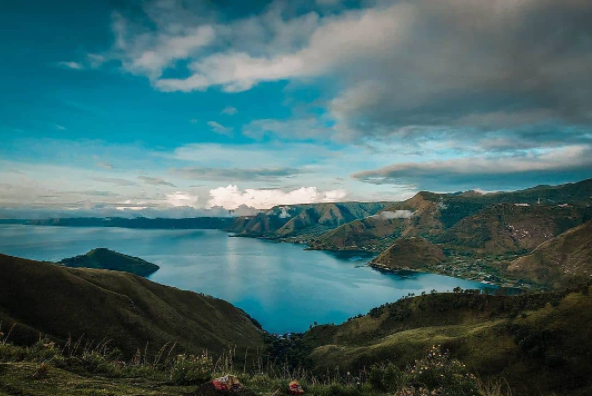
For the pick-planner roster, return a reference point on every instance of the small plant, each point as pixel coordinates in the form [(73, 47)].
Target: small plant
[(385, 378), (439, 373), (41, 371), (190, 369)]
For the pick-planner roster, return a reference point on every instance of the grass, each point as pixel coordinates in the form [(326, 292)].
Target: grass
[(539, 342), (130, 310), (75, 369)]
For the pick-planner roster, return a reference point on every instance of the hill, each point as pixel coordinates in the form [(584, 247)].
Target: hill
[(561, 261), (512, 228), (429, 215), (426, 215), (537, 342), (131, 311), (102, 258), (302, 222), (413, 253)]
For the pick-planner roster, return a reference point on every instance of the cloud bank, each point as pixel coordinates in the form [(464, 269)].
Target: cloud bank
[(478, 65), (232, 197), (461, 173)]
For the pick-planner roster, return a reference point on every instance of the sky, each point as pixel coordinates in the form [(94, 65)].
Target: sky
[(181, 108)]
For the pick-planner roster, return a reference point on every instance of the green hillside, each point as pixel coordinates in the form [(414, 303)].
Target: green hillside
[(508, 228), (413, 253), (561, 261), (102, 258), (429, 215), (131, 311), (538, 342), (299, 223)]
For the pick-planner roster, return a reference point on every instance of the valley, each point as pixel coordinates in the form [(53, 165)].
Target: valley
[(537, 240)]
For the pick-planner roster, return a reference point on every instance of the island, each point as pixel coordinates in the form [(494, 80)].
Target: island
[(102, 258)]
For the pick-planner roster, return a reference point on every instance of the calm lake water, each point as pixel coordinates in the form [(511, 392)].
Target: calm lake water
[(283, 286)]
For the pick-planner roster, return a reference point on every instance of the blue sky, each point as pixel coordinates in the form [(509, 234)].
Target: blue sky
[(170, 107)]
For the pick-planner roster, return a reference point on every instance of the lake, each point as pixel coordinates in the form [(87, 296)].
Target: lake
[(283, 286)]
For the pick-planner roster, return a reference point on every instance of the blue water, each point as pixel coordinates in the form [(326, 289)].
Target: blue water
[(283, 286)]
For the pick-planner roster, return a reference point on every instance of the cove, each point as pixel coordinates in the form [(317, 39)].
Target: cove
[(281, 285)]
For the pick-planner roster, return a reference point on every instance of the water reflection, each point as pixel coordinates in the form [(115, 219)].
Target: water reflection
[(283, 286)]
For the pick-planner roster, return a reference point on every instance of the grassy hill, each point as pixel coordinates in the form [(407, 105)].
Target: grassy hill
[(413, 253), (508, 228), (429, 215), (301, 222), (539, 343), (131, 311), (561, 261), (102, 258)]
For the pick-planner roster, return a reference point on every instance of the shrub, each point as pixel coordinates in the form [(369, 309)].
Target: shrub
[(190, 369), (385, 378), (337, 390), (439, 373), (41, 371)]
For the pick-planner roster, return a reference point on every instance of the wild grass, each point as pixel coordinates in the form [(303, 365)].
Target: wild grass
[(436, 374)]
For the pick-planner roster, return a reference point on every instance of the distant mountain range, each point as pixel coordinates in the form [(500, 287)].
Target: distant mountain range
[(138, 222), (302, 222), (538, 343), (479, 234)]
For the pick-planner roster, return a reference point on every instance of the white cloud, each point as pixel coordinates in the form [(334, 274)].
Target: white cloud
[(284, 213), (298, 128), (549, 160), (60, 127), (156, 181), (181, 198), (235, 174), (71, 65), (397, 214), (104, 165), (235, 72), (219, 128), (269, 155), (496, 172), (115, 181), (231, 197), (229, 110), (524, 62), (150, 54)]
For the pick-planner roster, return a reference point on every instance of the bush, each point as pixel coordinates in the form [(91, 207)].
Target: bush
[(337, 390), (191, 370), (439, 373), (385, 378)]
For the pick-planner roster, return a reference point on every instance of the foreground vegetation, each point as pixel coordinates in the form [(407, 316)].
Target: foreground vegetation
[(133, 336), (487, 345), (130, 310), (98, 369)]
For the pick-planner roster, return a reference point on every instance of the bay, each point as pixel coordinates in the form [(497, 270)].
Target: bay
[(283, 286)]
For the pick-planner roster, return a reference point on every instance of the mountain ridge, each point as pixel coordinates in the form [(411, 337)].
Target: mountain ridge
[(132, 311)]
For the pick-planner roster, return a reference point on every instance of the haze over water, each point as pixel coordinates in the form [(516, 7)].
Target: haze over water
[(283, 286)]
